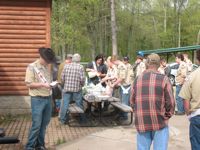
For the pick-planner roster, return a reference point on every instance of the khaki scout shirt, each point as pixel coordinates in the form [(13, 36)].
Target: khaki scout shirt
[(181, 73), (32, 77), (140, 68), (190, 90), (125, 72)]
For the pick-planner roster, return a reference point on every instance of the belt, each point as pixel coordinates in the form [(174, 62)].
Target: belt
[(42, 97)]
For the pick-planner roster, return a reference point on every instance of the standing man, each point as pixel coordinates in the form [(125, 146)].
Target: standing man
[(153, 101), (38, 79), (191, 95), (125, 79), (139, 65), (180, 79), (188, 62), (73, 77)]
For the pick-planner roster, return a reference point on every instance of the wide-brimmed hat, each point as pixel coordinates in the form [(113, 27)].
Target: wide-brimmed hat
[(47, 54)]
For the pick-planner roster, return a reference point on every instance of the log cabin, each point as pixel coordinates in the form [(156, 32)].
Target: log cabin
[(24, 27)]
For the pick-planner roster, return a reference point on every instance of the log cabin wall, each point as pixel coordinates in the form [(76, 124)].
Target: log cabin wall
[(24, 27)]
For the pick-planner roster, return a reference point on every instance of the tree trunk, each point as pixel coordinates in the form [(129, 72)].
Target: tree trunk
[(165, 19), (113, 26), (198, 38), (179, 32)]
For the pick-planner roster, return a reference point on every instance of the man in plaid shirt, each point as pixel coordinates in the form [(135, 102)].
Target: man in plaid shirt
[(153, 101), (73, 77)]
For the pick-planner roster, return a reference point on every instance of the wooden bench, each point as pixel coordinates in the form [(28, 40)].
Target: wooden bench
[(123, 108), (74, 109)]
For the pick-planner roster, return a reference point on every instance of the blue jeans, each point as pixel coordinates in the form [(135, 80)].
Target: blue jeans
[(125, 100), (179, 100), (195, 132), (160, 139), (41, 115), (67, 97)]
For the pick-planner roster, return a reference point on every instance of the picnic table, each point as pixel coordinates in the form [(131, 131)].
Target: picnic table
[(100, 99), (95, 98), (97, 102)]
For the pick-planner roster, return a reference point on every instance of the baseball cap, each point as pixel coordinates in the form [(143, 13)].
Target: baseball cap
[(153, 59), (126, 58)]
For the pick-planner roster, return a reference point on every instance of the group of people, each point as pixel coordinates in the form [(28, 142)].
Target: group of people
[(144, 86)]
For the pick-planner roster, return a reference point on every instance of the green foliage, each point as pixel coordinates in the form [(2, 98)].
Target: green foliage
[(83, 26), (60, 141)]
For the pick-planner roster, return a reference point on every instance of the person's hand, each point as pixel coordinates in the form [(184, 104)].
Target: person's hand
[(187, 112), (46, 85), (98, 74), (132, 106)]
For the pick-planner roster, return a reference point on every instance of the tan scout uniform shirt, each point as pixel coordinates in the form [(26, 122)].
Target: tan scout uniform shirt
[(125, 72), (32, 77), (140, 68), (190, 90), (181, 73)]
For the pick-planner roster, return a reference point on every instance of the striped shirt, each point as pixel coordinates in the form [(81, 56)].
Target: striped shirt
[(73, 77), (153, 99)]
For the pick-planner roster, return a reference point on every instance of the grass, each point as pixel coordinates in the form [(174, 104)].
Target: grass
[(60, 141), (9, 117)]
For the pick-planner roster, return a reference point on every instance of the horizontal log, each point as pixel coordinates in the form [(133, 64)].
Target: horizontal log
[(22, 12), (19, 55), (21, 36), (15, 17), (18, 50), (21, 92), (22, 41), (34, 32), (22, 46), (6, 73), (14, 64), (23, 3), (24, 27), (13, 88), (17, 60), (9, 83), (15, 8), (12, 69), (20, 22), (12, 78)]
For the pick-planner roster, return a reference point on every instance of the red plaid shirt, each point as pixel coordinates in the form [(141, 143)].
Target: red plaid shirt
[(153, 99)]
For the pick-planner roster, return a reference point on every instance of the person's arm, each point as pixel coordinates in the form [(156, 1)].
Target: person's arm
[(30, 80), (38, 85), (169, 99), (90, 67), (187, 106), (186, 94)]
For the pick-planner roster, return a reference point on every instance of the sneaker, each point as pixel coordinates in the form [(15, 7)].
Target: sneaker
[(63, 122)]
